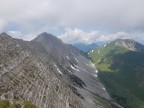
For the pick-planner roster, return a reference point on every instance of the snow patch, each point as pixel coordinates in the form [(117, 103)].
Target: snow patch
[(88, 53), (55, 65), (96, 71), (59, 71), (92, 65), (105, 45), (68, 57), (92, 51), (96, 75), (76, 59), (57, 68), (74, 68), (80, 68), (103, 88)]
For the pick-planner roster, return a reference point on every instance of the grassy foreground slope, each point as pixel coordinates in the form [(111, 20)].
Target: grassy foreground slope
[(4, 103), (121, 69)]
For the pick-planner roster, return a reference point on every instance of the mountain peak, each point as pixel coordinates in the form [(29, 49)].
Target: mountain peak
[(43, 35), (129, 44), (4, 34), (46, 38), (120, 65), (125, 40)]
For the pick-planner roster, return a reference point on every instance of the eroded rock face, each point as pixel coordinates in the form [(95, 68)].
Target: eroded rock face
[(49, 73)]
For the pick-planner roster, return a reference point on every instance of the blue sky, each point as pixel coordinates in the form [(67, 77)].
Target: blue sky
[(74, 21)]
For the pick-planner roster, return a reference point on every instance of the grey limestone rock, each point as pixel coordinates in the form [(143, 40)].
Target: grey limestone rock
[(49, 73)]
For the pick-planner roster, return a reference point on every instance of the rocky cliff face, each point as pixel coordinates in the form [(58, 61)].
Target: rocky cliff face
[(49, 73)]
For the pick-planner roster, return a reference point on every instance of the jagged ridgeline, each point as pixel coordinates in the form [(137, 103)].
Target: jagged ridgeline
[(121, 69), (50, 74)]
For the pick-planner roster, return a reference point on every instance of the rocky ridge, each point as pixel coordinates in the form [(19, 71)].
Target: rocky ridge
[(49, 73)]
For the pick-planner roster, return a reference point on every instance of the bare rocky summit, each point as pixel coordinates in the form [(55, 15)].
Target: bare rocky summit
[(49, 73), (130, 44)]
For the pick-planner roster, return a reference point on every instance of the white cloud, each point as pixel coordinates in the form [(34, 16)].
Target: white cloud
[(19, 35), (110, 37), (2, 25), (72, 36), (78, 36), (54, 16), (49, 15)]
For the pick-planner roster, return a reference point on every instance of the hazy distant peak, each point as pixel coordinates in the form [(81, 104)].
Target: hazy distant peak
[(85, 47)]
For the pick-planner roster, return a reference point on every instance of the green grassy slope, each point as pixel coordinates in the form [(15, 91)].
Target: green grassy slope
[(16, 104), (122, 72)]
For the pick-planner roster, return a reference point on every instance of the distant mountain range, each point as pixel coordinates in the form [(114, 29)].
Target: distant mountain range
[(121, 69), (87, 47), (50, 74)]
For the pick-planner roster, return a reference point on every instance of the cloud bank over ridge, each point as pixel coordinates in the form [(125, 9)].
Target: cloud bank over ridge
[(115, 17), (78, 36)]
